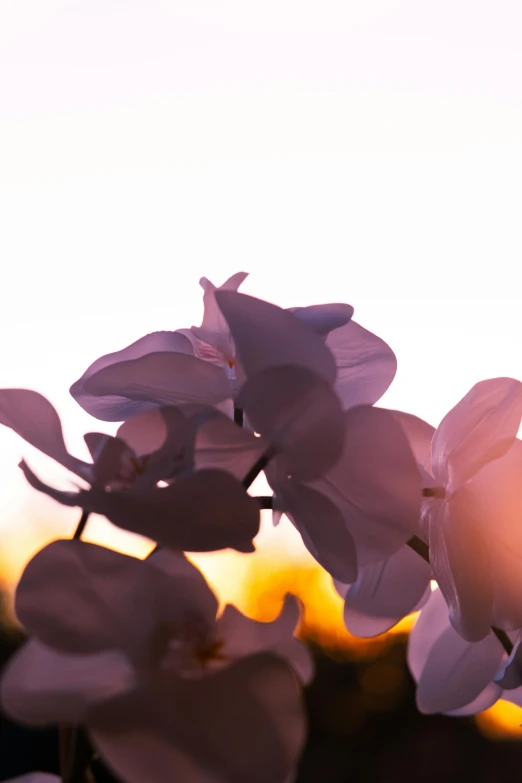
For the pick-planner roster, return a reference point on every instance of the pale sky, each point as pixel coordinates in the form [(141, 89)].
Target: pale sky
[(367, 152)]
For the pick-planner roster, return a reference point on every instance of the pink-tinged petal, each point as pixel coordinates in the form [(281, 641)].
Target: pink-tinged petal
[(113, 407), (244, 723), (324, 317), (322, 528), (419, 434), (461, 565), (480, 428), (199, 512), (33, 417), (493, 500), (267, 336), (430, 624), (299, 414), (83, 598), (65, 498), (486, 699), (366, 365), (456, 672), (386, 592), (243, 636), (43, 686), (375, 483), (110, 461), (220, 443), (157, 379), (214, 332), (193, 595), (510, 675)]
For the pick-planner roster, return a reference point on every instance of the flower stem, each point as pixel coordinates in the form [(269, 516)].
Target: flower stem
[(79, 757), (260, 465), (81, 524), (265, 501), (421, 548), (238, 416)]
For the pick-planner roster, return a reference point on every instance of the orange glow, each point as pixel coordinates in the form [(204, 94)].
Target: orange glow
[(502, 721)]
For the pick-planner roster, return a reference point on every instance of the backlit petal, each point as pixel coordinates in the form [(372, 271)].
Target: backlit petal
[(324, 317)]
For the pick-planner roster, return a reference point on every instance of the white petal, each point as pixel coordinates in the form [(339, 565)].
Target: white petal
[(430, 624), (214, 329), (33, 417), (461, 564), (157, 379), (267, 336), (489, 696), (297, 412), (199, 512), (366, 365), (322, 527), (480, 428), (376, 484), (456, 672), (386, 592), (323, 318), (43, 686), (244, 723), (117, 408), (419, 434), (244, 636), (222, 444)]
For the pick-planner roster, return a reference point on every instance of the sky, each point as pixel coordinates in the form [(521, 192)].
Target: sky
[(367, 152)]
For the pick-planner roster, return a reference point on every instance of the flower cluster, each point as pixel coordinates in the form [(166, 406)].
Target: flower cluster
[(137, 653)]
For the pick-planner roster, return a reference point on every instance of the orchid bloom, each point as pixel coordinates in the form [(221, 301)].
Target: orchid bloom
[(366, 506), (200, 510), (166, 690), (473, 510), (454, 676), (239, 335)]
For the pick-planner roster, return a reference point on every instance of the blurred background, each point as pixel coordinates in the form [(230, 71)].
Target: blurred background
[(368, 152)]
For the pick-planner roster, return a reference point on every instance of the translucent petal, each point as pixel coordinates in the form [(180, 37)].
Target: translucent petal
[(244, 723), (297, 412), (480, 428), (324, 317), (375, 483), (113, 407), (33, 417), (366, 365), (43, 686), (386, 592), (268, 336)]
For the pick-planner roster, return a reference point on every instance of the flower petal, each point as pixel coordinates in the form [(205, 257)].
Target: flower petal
[(63, 497), (214, 329), (419, 434), (43, 686), (244, 723), (375, 483), (456, 672), (480, 428), (83, 598), (366, 365), (155, 379), (324, 317), (199, 512), (114, 407), (244, 636), (429, 625), (322, 527), (33, 417), (268, 336), (222, 444), (386, 592), (299, 414), (35, 777), (486, 699), (461, 565)]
